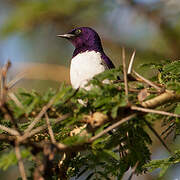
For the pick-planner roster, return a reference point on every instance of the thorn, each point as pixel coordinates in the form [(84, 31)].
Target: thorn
[(131, 62)]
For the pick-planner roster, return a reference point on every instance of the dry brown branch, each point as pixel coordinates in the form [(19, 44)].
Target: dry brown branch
[(11, 139), (147, 81), (62, 148), (3, 80), (41, 128), (115, 125), (168, 96), (137, 90), (124, 71), (154, 111), (3, 106), (7, 138), (50, 129), (20, 162), (9, 130)]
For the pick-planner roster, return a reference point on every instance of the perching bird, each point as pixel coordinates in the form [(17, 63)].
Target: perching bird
[(88, 58)]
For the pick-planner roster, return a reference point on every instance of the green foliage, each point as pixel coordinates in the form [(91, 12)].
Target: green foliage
[(169, 73), (168, 76), (164, 164), (110, 155)]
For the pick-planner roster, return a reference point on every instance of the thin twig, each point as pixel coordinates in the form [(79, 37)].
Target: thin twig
[(50, 129), (3, 106), (124, 71), (16, 100), (44, 110), (38, 117), (115, 125), (131, 62), (138, 90), (154, 111), (3, 80), (13, 82), (41, 128), (20, 162), (147, 81), (9, 130), (157, 135), (5, 109)]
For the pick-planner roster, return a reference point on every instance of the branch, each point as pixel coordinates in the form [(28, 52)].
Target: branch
[(20, 162), (147, 81), (9, 130), (3, 80), (40, 128), (115, 125), (168, 96), (38, 117), (124, 71), (154, 111), (50, 129)]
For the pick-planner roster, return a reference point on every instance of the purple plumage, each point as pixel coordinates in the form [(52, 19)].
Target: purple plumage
[(89, 40), (88, 58)]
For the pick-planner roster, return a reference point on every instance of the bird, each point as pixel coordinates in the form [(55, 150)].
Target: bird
[(88, 59)]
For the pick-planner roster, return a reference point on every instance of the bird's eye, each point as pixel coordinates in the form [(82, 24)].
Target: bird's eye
[(78, 31)]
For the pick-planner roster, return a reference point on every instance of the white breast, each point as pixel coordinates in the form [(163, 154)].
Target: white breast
[(84, 66)]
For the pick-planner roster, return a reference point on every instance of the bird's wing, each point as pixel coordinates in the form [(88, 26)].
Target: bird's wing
[(107, 61)]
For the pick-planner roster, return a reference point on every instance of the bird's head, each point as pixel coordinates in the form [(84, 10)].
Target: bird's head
[(83, 37)]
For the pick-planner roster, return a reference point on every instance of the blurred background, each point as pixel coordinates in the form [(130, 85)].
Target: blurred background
[(28, 30)]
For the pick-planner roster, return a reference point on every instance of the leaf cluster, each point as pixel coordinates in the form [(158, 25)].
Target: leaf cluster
[(112, 154)]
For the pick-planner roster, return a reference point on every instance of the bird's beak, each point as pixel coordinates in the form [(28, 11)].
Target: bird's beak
[(68, 36)]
